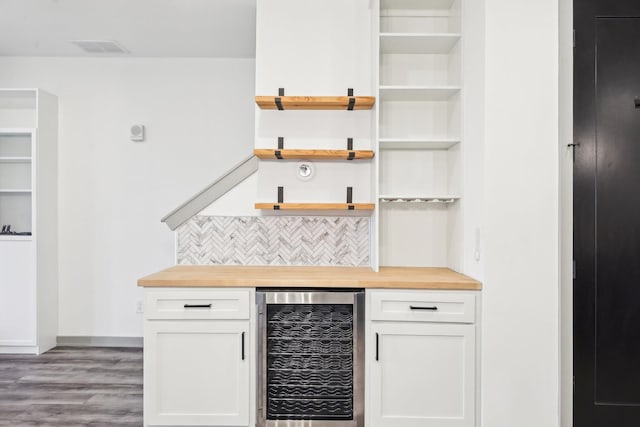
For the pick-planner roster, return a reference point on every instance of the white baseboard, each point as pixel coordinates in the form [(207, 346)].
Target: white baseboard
[(80, 341), (18, 349)]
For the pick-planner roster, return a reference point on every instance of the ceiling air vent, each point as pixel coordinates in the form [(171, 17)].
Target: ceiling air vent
[(99, 46)]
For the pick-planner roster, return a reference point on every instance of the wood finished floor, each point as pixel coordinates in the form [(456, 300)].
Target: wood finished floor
[(72, 386)]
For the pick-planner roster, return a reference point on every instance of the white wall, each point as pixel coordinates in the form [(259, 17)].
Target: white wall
[(199, 115), (473, 133), (520, 329), (566, 206), (330, 52)]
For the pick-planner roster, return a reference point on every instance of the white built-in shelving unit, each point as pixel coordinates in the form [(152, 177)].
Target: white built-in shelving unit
[(420, 93), (411, 63), (28, 215)]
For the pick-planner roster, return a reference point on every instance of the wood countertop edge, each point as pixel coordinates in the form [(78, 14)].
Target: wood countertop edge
[(391, 286), (310, 277)]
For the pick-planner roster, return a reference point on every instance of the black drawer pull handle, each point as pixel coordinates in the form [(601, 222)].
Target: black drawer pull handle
[(242, 346), (413, 307), (377, 347), (197, 306)]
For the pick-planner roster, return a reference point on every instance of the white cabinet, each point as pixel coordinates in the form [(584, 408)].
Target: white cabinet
[(421, 366), (199, 357), (196, 373), (424, 375), (420, 133), (28, 221)]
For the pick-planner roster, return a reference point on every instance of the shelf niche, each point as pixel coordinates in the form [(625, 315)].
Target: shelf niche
[(420, 132), (418, 43), (16, 173)]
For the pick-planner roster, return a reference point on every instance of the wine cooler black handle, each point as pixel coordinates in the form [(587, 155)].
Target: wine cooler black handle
[(377, 347), (433, 308), (242, 343), (197, 306)]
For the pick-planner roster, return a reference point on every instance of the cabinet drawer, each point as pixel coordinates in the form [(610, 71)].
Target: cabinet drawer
[(196, 304), (423, 307)]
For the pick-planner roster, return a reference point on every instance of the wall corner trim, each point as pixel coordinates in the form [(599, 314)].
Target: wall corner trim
[(211, 193)]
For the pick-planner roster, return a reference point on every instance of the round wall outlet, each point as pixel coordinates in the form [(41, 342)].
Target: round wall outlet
[(305, 171)]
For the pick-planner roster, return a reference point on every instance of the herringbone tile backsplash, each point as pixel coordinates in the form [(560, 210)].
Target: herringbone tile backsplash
[(271, 240)]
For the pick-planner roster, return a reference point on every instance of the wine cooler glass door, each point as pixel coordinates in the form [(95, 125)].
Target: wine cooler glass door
[(311, 371)]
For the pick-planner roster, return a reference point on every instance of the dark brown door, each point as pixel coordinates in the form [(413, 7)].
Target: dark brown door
[(607, 213)]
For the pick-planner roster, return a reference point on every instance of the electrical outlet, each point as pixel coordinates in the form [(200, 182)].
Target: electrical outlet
[(139, 307)]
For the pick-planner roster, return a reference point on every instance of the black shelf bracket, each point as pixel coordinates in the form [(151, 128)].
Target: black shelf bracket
[(352, 100), (280, 198), (352, 154), (278, 100), (278, 153), (350, 198)]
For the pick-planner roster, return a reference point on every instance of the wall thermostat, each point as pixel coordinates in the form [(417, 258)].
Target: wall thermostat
[(137, 133)]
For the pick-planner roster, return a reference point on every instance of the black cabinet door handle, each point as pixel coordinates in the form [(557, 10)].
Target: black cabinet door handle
[(197, 306), (242, 344), (377, 347), (413, 307)]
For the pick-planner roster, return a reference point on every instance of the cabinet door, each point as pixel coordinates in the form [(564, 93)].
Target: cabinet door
[(422, 375), (196, 373), (17, 297)]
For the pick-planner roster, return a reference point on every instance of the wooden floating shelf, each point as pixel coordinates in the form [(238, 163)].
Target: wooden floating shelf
[(315, 206), (312, 154), (315, 102)]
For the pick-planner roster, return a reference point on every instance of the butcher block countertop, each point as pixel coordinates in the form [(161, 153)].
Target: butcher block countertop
[(309, 277)]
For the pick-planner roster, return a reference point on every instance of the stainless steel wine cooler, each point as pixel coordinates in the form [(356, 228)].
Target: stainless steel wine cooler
[(310, 359)]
